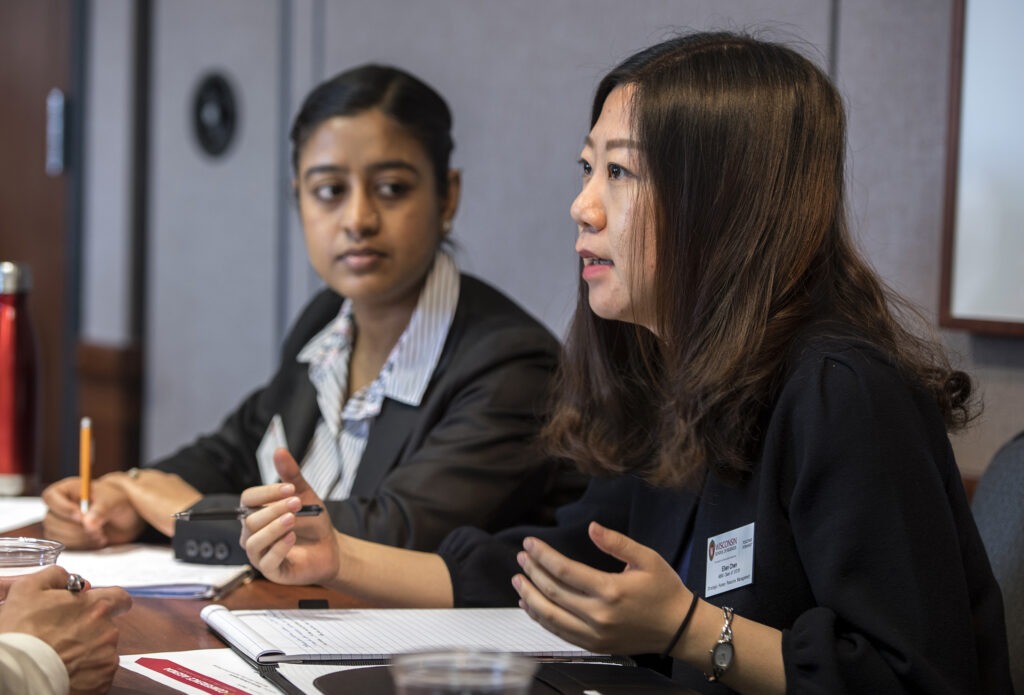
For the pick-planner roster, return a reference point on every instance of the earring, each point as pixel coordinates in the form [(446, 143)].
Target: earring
[(446, 227)]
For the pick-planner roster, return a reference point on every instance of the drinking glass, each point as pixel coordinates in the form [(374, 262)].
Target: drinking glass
[(462, 672), (21, 556)]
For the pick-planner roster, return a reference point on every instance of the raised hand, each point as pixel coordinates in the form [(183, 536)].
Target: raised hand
[(287, 549), (633, 611)]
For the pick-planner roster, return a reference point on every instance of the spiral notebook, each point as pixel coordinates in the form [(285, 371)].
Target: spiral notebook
[(374, 635)]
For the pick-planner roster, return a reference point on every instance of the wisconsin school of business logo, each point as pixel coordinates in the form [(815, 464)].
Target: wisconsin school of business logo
[(711, 549)]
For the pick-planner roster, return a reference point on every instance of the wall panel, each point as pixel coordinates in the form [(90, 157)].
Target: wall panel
[(212, 275), (893, 68)]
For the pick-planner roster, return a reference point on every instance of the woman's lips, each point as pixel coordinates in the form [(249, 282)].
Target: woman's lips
[(361, 260), (594, 267)]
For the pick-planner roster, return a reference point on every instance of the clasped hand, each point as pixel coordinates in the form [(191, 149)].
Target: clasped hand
[(78, 625), (634, 611)]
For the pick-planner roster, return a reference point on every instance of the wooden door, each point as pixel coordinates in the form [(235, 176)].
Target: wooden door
[(35, 207)]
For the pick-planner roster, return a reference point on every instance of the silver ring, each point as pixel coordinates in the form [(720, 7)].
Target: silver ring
[(75, 582)]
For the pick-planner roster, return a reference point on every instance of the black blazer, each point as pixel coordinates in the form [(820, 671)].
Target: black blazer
[(466, 455), (866, 555)]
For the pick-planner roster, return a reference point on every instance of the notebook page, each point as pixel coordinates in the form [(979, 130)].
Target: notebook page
[(379, 633), (224, 622)]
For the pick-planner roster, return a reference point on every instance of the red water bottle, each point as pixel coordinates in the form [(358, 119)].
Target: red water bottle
[(17, 383)]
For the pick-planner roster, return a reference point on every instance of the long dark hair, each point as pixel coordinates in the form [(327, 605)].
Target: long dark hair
[(743, 145), (411, 102)]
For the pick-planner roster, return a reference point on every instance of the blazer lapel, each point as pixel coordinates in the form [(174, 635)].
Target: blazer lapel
[(388, 437), (662, 520), (300, 412)]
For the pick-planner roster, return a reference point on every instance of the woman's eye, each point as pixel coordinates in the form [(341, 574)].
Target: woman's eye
[(393, 189), (615, 171), (585, 167), (327, 192)]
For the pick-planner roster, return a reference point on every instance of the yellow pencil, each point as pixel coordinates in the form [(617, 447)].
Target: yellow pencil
[(85, 461)]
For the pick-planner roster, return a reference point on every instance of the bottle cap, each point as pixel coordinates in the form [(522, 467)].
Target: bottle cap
[(14, 277)]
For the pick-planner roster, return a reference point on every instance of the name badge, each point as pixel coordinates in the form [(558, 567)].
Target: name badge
[(730, 560)]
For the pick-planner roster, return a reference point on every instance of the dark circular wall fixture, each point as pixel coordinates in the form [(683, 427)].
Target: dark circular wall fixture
[(214, 114)]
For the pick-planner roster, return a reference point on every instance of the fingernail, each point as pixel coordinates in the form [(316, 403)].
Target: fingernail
[(287, 489), (528, 544), (521, 559)]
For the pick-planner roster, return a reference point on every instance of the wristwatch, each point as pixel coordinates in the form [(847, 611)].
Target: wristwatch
[(722, 652)]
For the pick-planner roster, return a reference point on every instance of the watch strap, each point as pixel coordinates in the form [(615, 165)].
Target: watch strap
[(723, 645)]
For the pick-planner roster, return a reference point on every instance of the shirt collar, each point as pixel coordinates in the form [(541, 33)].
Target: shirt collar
[(419, 348), (410, 365)]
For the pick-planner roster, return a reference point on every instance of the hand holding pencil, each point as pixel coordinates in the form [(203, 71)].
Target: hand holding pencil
[(94, 512), (87, 513)]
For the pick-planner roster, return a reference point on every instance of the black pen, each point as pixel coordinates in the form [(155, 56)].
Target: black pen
[(238, 513)]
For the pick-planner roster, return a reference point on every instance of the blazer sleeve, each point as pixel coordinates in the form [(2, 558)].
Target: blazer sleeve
[(224, 461), (471, 457), (903, 590), (30, 665), (481, 565)]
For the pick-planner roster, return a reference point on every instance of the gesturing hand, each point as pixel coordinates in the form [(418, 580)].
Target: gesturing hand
[(630, 612), (285, 549)]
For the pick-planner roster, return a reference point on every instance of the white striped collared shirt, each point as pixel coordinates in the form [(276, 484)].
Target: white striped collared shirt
[(337, 447)]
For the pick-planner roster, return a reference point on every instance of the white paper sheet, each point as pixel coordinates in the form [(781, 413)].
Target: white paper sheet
[(17, 512), (150, 570)]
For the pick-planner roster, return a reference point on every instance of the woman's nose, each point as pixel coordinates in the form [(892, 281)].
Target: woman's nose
[(360, 217), (587, 210)]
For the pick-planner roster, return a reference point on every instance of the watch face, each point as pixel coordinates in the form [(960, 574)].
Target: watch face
[(721, 655)]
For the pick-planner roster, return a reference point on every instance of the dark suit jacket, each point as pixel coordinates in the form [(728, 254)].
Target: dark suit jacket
[(866, 554), (465, 456)]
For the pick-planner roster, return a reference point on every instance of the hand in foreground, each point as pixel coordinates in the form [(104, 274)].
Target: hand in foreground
[(284, 548), (631, 612), (78, 625), (111, 518)]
